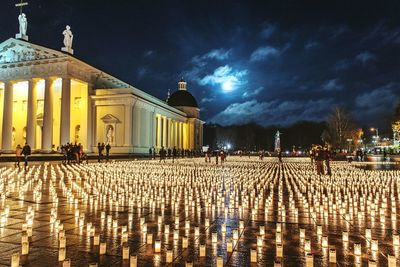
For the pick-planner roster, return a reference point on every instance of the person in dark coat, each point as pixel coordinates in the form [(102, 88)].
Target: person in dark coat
[(26, 151), (108, 147), (163, 154), (174, 154), (99, 152)]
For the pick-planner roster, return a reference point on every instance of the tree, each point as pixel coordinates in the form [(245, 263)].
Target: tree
[(340, 127)]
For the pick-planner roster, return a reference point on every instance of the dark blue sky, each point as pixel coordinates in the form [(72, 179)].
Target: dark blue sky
[(271, 62)]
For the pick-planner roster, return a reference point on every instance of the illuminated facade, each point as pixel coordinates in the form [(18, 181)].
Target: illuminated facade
[(49, 98)]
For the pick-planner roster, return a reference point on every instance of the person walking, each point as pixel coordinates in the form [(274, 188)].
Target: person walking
[(18, 153), (319, 159), (154, 153), (26, 151), (162, 154), (108, 147), (328, 156), (150, 153), (174, 153), (99, 152)]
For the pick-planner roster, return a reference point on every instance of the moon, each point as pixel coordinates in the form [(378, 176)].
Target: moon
[(227, 86)]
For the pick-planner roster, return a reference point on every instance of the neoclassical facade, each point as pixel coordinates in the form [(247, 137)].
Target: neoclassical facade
[(49, 98)]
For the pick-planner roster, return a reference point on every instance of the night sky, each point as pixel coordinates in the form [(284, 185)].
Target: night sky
[(269, 62)]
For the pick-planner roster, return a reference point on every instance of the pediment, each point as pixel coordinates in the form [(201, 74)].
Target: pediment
[(14, 51), (109, 118)]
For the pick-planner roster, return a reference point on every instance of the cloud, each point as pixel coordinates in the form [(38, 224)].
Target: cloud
[(225, 74), (332, 85), (273, 112), (199, 63), (267, 31), (263, 53), (343, 64), (248, 94), (377, 103), (207, 100), (216, 54), (310, 45), (364, 57), (141, 72), (148, 53)]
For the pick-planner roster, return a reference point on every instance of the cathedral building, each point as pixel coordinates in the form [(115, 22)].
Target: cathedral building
[(49, 98)]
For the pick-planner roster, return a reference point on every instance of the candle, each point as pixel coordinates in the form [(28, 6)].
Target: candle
[(149, 239), (66, 263), (357, 249), (325, 241), (93, 264), (279, 251), (96, 240), (214, 237), (184, 242), (169, 256), (309, 260), (374, 245), (202, 250), (302, 233), (259, 241), (25, 248), (220, 261), (332, 255), (396, 240), (157, 246), (62, 242), (307, 245), (235, 234), (391, 261), (189, 264), (253, 255), (15, 259), (61, 254), (223, 228), (196, 231), (125, 252), (372, 263), (262, 230), (229, 246), (103, 247), (176, 234), (345, 236), (133, 261)]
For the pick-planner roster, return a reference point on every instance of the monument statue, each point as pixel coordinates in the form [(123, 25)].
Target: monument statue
[(23, 24), (68, 38), (278, 141), (110, 134)]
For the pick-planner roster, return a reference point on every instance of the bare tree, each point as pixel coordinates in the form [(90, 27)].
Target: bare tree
[(340, 127)]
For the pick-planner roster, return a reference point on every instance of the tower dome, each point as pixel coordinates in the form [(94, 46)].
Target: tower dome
[(182, 98)]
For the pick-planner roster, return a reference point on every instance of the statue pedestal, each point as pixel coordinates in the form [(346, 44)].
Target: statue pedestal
[(21, 36), (68, 50)]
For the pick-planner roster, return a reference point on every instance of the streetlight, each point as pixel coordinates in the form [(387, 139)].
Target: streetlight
[(377, 131)]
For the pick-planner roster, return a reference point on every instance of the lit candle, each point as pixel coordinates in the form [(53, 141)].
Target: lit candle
[(332, 255), (15, 259), (184, 242), (279, 251), (169, 256), (259, 241), (220, 261), (125, 252), (396, 240), (325, 241), (307, 245), (103, 248), (133, 261), (374, 245), (157, 246), (253, 255), (345, 236), (66, 263), (96, 240), (202, 250), (214, 237), (61, 254), (309, 260), (25, 248), (391, 261), (229, 246), (149, 239), (357, 249)]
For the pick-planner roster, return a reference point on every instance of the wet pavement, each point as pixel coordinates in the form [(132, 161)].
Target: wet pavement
[(243, 213)]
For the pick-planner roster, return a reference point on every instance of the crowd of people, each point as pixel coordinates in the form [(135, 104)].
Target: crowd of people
[(172, 153), (24, 152), (321, 157), (73, 152), (219, 155)]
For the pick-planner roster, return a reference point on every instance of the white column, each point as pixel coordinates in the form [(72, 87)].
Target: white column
[(136, 125), (7, 117), (164, 132), (153, 127), (128, 125), (159, 132), (65, 120), (47, 132), (90, 122), (31, 114), (172, 132)]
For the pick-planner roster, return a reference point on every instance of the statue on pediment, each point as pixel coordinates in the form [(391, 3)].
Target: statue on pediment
[(68, 38), (23, 24)]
